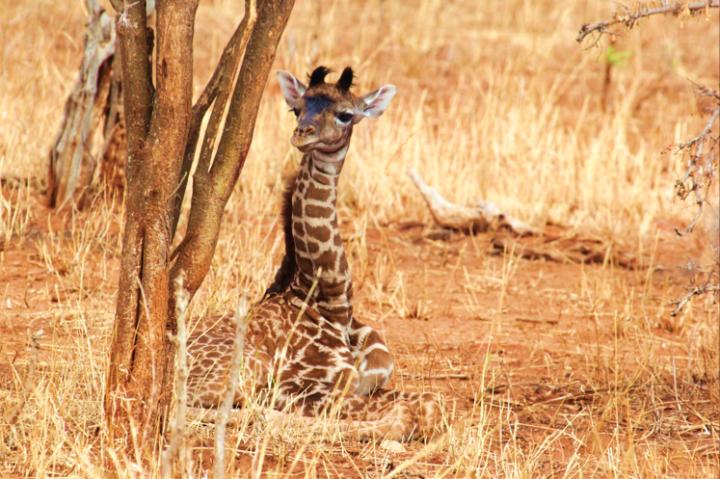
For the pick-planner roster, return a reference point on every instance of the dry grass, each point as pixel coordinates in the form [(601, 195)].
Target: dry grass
[(554, 370)]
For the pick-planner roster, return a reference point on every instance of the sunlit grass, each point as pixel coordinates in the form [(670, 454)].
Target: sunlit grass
[(496, 102)]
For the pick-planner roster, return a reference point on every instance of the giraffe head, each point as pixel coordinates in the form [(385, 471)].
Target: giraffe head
[(326, 112)]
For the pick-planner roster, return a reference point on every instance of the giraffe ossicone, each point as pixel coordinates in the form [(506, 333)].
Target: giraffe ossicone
[(303, 337)]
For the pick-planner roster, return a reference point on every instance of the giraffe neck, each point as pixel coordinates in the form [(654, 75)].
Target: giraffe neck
[(319, 252)]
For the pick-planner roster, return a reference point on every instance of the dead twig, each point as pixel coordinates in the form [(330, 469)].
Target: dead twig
[(223, 412), (695, 291), (178, 446), (418, 377), (630, 18), (537, 321), (697, 167)]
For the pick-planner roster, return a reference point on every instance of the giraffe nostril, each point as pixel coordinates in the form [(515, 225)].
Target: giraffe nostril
[(305, 130)]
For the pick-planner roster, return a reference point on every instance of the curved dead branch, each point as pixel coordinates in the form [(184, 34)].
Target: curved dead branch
[(552, 243), (630, 18), (484, 216), (695, 291), (701, 168)]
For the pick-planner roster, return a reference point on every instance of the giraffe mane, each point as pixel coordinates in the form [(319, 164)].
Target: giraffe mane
[(285, 273)]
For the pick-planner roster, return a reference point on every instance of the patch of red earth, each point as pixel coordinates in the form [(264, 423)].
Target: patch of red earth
[(542, 341)]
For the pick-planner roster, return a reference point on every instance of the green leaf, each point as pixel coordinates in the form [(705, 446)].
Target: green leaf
[(616, 57)]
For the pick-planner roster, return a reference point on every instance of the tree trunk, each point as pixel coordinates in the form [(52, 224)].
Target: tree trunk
[(114, 153), (76, 152), (162, 132), (137, 386)]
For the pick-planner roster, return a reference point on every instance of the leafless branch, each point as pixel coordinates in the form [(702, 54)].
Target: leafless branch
[(703, 134), (695, 291), (216, 94), (630, 18), (698, 168)]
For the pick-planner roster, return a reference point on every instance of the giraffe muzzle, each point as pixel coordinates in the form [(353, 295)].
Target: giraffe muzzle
[(304, 137)]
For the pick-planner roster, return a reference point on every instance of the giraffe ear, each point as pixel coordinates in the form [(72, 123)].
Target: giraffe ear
[(291, 87), (375, 103)]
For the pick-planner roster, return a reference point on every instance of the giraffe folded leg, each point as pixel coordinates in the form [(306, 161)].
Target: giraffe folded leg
[(373, 359), (394, 415), (385, 414)]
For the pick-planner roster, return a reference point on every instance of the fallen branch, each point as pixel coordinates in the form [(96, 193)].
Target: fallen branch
[(485, 216), (554, 243), (630, 18)]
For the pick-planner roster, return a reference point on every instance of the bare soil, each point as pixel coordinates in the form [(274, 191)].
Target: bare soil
[(564, 351)]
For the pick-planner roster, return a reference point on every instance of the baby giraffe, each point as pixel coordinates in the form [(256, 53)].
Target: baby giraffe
[(302, 341)]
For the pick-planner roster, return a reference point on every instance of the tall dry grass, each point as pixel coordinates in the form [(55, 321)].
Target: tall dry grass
[(496, 102)]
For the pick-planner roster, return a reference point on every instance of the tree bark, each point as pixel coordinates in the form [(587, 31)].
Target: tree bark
[(163, 130), (114, 152), (213, 182), (137, 386), (73, 156)]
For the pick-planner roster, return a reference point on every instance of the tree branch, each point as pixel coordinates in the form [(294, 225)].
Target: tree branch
[(695, 168), (695, 291), (137, 101), (220, 83), (630, 18), (211, 192)]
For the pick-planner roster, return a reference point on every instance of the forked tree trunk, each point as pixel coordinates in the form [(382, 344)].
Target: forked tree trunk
[(163, 129), (84, 155)]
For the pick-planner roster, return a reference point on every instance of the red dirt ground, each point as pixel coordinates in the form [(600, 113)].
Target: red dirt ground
[(550, 353)]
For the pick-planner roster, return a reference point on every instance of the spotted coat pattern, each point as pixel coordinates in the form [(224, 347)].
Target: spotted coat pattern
[(304, 349)]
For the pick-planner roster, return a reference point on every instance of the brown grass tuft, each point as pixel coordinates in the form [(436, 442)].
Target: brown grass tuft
[(551, 369)]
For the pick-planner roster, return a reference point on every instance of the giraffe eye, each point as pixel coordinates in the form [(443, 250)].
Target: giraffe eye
[(295, 111), (344, 117)]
